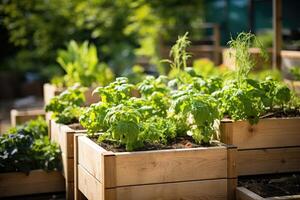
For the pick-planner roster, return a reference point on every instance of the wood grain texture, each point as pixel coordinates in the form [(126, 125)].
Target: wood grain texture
[(197, 173), (64, 136), (245, 194), (268, 133), (194, 190), (77, 193), (89, 185), (50, 91), (170, 165), (90, 157), (264, 161), (38, 181), (18, 117)]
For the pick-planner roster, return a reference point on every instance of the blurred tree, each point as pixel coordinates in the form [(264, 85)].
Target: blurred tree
[(120, 29)]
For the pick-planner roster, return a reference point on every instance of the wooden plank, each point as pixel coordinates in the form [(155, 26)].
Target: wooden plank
[(231, 188), (68, 168), (231, 162), (90, 157), (70, 190), (277, 33), (168, 165), (231, 172), (77, 193), (193, 190), (264, 161), (290, 54), (64, 136), (291, 197), (267, 133), (38, 181), (21, 116), (226, 128), (50, 91), (243, 193), (89, 185)]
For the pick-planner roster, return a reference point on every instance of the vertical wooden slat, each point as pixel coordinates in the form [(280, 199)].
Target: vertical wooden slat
[(226, 129), (216, 36), (277, 38), (77, 193), (231, 172)]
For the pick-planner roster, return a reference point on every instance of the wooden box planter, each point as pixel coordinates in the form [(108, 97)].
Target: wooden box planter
[(243, 193), (196, 173), (36, 182), (293, 85), (64, 136), (50, 91), (21, 116), (271, 146), (260, 62)]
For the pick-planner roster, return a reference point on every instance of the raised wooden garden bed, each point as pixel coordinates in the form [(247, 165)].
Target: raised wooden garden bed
[(243, 193), (271, 146), (21, 116), (293, 85), (195, 173), (36, 182), (50, 91), (260, 62), (64, 136)]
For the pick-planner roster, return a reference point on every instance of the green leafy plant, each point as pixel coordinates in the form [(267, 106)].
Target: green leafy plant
[(199, 111), (28, 147), (67, 107), (116, 91), (179, 54), (295, 71), (249, 99), (166, 108), (158, 116), (80, 62), (240, 46)]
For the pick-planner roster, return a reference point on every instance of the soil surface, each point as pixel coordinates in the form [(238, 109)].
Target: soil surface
[(178, 143), (279, 113), (272, 185), (76, 126), (275, 113)]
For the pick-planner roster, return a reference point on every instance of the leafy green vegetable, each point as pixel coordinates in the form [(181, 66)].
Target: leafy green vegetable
[(66, 107), (245, 98), (80, 62), (28, 147), (116, 91), (200, 112), (295, 71)]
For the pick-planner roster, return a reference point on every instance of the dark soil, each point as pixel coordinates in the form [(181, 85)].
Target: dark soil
[(178, 143), (279, 113), (76, 126), (275, 113), (272, 185)]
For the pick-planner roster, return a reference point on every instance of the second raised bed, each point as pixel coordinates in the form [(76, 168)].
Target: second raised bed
[(271, 146)]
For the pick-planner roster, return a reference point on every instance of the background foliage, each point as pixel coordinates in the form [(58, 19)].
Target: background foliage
[(119, 29)]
